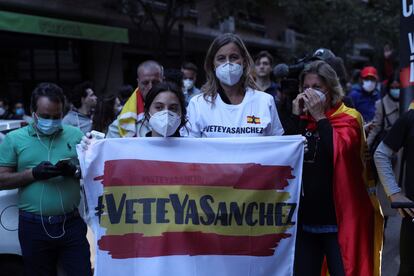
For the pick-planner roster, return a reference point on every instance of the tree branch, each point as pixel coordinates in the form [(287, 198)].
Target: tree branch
[(149, 12)]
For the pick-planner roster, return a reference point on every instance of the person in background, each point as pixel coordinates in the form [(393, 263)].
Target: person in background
[(389, 61), (230, 105), (4, 110), (386, 109), (333, 182), (189, 71), (400, 136), (124, 92), (40, 160), (174, 75), (84, 100), (19, 113), (386, 114), (263, 66), (366, 94), (149, 73), (105, 113)]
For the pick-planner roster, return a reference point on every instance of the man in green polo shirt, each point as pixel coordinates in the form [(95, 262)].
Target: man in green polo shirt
[(40, 160)]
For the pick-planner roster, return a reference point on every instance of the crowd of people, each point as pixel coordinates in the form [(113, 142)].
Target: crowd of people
[(339, 218)]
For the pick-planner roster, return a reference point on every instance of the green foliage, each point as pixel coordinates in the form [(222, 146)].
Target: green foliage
[(336, 24)]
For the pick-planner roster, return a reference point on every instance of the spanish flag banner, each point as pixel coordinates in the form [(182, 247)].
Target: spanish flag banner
[(131, 113), (360, 222), (225, 207)]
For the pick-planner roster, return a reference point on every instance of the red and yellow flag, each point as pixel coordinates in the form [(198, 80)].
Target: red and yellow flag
[(360, 222), (131, 113)]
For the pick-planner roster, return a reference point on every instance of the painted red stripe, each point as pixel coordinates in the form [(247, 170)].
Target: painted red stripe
[(135, 245), (132, 172)]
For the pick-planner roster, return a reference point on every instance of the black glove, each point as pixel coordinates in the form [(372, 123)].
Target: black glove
[(45, 170), (66, 168)]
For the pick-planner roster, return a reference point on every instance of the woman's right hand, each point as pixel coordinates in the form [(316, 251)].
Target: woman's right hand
[(297, 105)]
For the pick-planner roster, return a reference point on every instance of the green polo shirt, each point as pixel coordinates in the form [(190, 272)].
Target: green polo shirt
[(23, 149)]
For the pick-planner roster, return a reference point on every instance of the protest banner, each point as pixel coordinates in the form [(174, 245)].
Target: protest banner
[(407, 55), (183, 206)]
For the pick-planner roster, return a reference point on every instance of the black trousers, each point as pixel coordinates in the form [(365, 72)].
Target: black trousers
[(310, 251), (42, 254), (407, 248)]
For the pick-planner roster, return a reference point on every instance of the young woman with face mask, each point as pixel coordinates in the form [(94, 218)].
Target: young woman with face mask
[(229, 105), (164, 111)]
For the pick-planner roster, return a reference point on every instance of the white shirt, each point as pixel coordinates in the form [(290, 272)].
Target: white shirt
[(256, 115)]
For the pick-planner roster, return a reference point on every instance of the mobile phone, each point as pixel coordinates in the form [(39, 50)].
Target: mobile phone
[(62, 162)]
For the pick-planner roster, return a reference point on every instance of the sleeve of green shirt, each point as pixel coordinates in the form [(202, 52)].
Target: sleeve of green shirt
[(8, 155)]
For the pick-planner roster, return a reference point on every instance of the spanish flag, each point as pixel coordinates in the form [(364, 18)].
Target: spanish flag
[(131, 113), (358, 213), (253, 120), (359, 216)]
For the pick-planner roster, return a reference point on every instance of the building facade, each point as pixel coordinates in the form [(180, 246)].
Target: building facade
[(69, 41)]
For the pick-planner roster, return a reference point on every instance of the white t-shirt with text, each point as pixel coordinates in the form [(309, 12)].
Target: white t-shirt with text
[(256, 115)]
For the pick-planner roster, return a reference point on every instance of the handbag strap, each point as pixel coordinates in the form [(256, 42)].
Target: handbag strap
[(385, 116)]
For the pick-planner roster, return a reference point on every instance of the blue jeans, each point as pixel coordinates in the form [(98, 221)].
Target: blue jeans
[(42, 254)]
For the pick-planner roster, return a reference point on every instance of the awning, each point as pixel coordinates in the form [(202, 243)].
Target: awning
[(23, 23)]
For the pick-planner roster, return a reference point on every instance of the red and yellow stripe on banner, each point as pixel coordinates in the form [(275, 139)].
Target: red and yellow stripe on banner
[(156, 208)]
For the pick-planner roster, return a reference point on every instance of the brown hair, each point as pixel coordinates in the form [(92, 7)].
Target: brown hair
[(328, 76), (263, 54), (212, 84)]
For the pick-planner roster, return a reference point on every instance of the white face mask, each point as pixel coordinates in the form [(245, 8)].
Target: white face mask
[(368, 85), (2, 111), (321, 95), (229, 73), (188, 84), (165, 122)]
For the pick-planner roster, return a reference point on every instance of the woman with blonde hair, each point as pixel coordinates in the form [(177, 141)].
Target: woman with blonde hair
[(336, 218), (229, 105)]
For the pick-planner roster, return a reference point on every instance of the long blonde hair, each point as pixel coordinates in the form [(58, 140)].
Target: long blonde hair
[(212, 84)]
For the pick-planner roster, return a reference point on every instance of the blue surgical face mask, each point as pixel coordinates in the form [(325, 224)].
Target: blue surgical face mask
[(395, 93), (48, 126), (20, 111)]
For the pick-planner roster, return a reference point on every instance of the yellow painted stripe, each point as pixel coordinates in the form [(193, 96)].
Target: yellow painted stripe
[(221, 195)]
